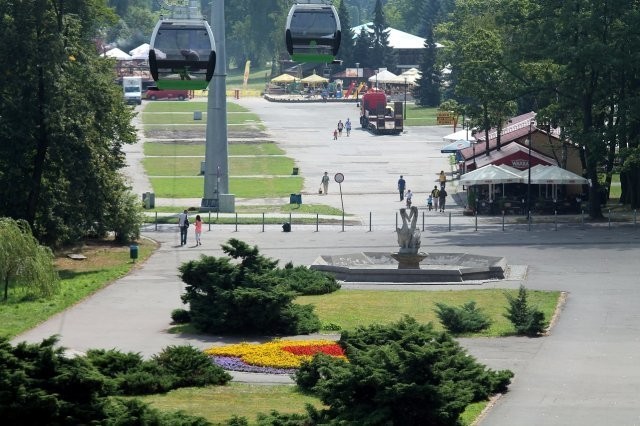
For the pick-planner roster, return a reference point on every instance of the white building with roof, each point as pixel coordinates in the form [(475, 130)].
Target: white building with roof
[(409, 47)]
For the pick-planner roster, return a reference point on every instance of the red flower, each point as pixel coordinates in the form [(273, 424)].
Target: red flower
[(310, 350)]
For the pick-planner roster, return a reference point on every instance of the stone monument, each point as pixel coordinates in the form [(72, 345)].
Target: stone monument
[(409, 241)]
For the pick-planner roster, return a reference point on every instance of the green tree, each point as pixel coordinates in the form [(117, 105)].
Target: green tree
[(64, 116), (347, 45), (427, 91), (527, 320), (381, 54), (25, 264), (250, 294), (403, 374)]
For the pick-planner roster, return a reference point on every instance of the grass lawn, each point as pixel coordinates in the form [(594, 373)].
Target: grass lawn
[(171, 106), (170, 149), (191, 187), (187, 118), (419, 116), (219, 403), (238, 166), (105, 263), (353, 308)]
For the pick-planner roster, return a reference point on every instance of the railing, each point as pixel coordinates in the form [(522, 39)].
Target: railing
[(428, 221)]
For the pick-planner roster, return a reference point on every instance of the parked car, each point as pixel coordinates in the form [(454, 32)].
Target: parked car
[(153, 94)]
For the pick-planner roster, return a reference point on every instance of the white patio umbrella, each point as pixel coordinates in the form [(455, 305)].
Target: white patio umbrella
[(117, 54)]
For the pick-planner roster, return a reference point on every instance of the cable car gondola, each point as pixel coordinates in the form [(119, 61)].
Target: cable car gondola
[(313, 32), (182, 54)]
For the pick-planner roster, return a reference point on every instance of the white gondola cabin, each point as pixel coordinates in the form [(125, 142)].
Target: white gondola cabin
[(313, 32), (182, 54)]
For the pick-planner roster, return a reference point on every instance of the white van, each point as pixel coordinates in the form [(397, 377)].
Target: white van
[(132, 87)]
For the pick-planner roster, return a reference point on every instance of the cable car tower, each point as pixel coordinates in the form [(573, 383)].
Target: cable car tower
[(313, 31), (182, 52)]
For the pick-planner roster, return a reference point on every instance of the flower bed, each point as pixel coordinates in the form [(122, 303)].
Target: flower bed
[(276, 357)]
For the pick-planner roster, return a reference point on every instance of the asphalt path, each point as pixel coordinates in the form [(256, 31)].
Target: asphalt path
[(585, 372)]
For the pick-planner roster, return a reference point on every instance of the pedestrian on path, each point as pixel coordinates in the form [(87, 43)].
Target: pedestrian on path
[(347, 126), (198, 230), (430, 202), (435, 193), (183, 224), (442, 178), (443, 198), (401, 186), (340, 127), (335, 134), (408, 196), (325, 183)]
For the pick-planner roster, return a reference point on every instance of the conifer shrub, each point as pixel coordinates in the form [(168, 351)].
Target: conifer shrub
[(464, 319), (404, 373), (528, 321), (246, 292)]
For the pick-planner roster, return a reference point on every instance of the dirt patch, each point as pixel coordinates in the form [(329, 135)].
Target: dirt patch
[(191, 133), (99, 254)]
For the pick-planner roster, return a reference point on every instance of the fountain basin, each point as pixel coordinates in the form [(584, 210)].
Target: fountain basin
[(373, 267)]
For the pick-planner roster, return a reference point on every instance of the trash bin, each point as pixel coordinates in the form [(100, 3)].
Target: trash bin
[(197, 115), (286, 227), (146, 200), (292, 198), (299, 198), (133, 251), (295, 171)]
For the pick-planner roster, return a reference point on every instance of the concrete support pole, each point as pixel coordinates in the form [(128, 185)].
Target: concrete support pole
[(216, 173)]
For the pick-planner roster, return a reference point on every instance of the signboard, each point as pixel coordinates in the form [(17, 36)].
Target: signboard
[(445, 117)]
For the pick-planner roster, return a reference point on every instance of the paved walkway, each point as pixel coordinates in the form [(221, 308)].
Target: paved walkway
[(585, 373)]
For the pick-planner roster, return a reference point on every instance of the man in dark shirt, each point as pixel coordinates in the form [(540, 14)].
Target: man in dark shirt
[(401, 186)]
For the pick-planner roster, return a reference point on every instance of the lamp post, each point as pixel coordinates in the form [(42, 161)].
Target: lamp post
[(531, 123), (357, 77), (405, 98)]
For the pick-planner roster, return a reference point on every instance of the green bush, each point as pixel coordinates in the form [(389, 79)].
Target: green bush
[(465, 319), (145, 381), (527, 321), (180, 316), (112, 362), (404, 373), (190, 366), (40, 385), (249, 294)]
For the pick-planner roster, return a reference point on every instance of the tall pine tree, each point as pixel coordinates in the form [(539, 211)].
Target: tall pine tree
[(427, 91), (381, 54)]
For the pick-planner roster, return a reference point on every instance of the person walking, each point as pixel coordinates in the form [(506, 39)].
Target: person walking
[(198, 230), (430, 202), (325, 183), (401, 186), (443, 198), (335, 134), (442, 178), (347, 125), (340, 127), (183, 224), (435, 193), (408, 196)]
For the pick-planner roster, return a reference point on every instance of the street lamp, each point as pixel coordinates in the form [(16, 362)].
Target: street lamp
[(357, 77), (405, 98), (531, 123)]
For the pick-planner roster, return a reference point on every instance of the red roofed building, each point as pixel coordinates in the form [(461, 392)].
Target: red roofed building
[(546, 147)]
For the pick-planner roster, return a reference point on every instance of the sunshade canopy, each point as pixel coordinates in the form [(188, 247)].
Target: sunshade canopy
[(284, 78), (455, 146), (386, 76), (314, 79), (490, 174)]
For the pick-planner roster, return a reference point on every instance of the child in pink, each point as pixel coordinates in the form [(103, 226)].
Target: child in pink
[(198, 230)]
